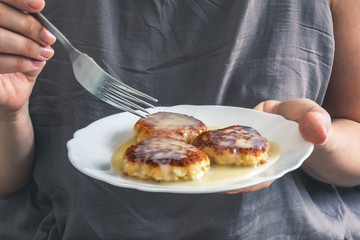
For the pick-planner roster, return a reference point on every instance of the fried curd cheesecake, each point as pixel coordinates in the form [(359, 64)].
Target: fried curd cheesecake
[(164, 159), (169, 125), (234, 145)]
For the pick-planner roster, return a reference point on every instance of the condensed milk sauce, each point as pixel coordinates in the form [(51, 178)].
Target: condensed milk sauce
[(171, 121), (174, 149), (216, 175)]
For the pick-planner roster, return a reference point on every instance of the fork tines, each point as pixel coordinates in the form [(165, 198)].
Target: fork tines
[(125, 97)]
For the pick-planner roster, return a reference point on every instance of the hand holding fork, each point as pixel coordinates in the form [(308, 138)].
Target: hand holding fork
[(24, 50)]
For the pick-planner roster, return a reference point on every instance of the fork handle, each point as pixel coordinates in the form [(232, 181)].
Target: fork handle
[(73, 52)]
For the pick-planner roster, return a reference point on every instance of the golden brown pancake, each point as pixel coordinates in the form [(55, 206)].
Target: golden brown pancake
[(234, 145), (169, 125), (164, 159)]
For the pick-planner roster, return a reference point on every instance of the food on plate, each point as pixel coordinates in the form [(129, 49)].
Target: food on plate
[(173, 147), (164, 159), (234, 145), (170, 125)]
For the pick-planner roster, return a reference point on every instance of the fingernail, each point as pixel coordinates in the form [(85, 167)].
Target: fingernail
[(34, 4), (46, 52), (37, 63), (47, 37), (326, 140)]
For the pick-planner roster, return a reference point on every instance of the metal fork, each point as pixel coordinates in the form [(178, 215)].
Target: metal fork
[(94, 79)]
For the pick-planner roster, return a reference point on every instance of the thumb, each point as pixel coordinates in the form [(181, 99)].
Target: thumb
[(314, 121), (314, 126)]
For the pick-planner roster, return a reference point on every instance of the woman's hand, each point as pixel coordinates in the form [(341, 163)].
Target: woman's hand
[(314, 125), (314, 121), (335, 158), (24, 49)]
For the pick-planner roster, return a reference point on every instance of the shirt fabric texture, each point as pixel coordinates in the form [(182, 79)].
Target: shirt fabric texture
[(218, 52)]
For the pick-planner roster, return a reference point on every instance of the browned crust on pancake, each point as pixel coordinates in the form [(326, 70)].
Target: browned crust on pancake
[(234, 145), (151, 127), (192, 155), (161, 163), (212, 139)]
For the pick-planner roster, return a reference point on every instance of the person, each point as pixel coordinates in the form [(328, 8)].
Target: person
[(298, 59)]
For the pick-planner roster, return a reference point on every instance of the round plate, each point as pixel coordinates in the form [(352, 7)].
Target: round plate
[(91, 148)]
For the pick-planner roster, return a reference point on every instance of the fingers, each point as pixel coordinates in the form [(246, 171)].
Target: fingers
[(24, 42), (20, 54), (257, 187), (11, 64), (12, 43), (26, 5), (314, 121), (25, 25)]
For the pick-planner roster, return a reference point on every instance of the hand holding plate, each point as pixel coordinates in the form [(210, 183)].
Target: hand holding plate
[(314, 125)]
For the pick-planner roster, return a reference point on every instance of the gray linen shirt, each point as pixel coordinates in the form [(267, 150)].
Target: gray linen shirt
[(228, 52)]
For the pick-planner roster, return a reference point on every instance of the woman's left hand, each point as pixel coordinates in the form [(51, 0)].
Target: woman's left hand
[(314, 125)]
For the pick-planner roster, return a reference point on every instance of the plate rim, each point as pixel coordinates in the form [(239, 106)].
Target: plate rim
[(163, 189)]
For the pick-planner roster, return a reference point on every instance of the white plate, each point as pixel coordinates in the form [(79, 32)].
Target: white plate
[(92, 147)]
